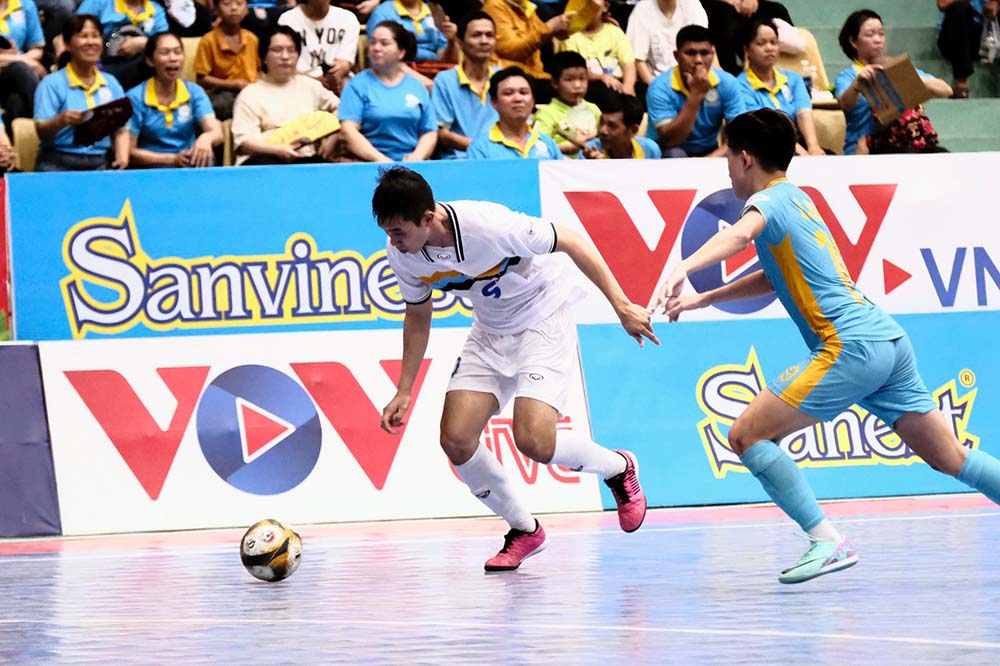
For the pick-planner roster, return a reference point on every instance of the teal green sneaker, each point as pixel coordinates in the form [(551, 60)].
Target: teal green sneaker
[(823, 557)]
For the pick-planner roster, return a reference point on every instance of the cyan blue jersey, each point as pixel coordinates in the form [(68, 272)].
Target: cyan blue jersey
[(803, 263)]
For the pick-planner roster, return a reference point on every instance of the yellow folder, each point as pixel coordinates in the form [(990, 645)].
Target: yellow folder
[(312, 126)]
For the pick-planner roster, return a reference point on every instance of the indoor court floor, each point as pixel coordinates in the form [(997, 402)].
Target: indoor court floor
[(693, 586)]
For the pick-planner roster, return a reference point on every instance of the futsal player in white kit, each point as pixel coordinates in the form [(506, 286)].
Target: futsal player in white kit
[(522, 344)]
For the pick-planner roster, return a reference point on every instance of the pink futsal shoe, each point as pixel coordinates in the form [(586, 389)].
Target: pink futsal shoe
[(518, 546), (628, 493)]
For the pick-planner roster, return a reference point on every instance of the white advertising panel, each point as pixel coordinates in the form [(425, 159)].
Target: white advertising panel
[(217, 431), (917, 235)]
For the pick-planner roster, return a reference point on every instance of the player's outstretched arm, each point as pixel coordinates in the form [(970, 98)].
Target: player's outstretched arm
[(416, 331), (635, 319), (750, 286), (727, 243)]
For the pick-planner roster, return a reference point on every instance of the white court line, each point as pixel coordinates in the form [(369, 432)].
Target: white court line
[(98, 622), (333, 542)]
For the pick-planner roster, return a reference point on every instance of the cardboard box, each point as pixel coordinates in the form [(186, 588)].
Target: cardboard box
[(895, 89)]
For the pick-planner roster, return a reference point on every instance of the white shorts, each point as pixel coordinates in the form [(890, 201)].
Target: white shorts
[(538, 363)]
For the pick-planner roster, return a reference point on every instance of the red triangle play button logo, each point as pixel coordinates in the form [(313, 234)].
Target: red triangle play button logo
[(260, 430), (893, 276)]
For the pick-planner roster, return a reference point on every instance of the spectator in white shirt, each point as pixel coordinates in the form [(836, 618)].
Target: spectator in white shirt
[(329, 41), (652, 32)]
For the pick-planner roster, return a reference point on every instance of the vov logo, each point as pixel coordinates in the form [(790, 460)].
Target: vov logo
[(258, 427), (639, 265)]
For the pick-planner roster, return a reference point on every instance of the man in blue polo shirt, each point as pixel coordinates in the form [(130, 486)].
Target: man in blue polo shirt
[(461, 96), (688, 103), (616, 137), (511, 137)]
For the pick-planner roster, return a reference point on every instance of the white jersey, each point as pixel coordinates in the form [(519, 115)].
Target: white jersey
[(334, 37), (501, 262)]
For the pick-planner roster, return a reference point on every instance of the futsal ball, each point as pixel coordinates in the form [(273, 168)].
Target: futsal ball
[(271, 550)]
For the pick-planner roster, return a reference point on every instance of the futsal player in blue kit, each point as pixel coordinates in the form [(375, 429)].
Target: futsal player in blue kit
[(858, 353)]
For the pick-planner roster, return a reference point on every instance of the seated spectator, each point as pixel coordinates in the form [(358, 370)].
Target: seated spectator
[(167, 112), (63, 98), (20, 58), (863, 40), (227, 60), (329, 41), (616, 139), (386, 113), (729, 20), (607, 52), (415, 16), (264, 14), (765, 86), (688, 103), (652, 32), (128, 24), (277, 97), (568, 114), (959, 35), (511, 137), (521, 34), (460, 96)]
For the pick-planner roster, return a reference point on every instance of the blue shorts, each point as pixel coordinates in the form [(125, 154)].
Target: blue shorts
[(880, 376)]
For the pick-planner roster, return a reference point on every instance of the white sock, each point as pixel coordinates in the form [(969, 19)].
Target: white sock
[(582, 454), (488, 482), (825, 531)]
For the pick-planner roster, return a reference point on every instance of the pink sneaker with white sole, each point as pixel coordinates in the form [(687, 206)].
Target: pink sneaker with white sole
[(628, 493), (518, 546)]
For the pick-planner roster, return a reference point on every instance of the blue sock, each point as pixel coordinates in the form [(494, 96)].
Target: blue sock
[(982, 472), (784, 482)]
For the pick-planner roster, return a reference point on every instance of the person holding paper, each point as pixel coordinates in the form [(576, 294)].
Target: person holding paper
[(168, 112), (521, 34), (863, 41), (278, 97), (64, 101)]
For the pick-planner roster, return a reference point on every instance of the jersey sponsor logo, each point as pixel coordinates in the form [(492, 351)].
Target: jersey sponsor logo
[(854, 438), (113, 285), (259, 428)]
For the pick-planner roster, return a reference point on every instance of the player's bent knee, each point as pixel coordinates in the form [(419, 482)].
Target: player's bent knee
[(740, 439), (539, 449), (458, 449)]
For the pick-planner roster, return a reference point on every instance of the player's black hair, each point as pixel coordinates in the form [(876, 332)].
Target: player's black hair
[(630, 106), (766, 134), (750, 33), (479, 15), (503, 75), (564, 60), (851, 30), (692, 33), (401, 194)]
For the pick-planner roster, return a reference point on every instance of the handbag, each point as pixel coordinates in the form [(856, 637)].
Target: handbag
[(911, 132)]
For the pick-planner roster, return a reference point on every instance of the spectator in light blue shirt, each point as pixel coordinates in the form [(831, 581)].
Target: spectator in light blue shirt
[(687, 104), (461, 96), (20, 59), (863, 41), (764, 86), (386, 114), (63, 98), (415, 16), (127, 25), (167, 112), (616, 138), (511, 137)]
